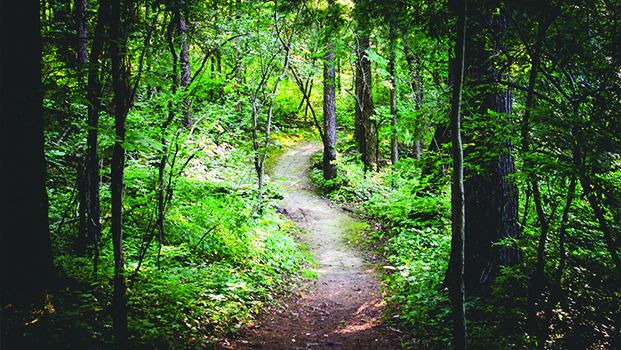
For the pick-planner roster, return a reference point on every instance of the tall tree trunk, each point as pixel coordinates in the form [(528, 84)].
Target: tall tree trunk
[(416, 84), (358, 91), (79, 15), (394, 143), (93, 93), (162, 190), (259, 158), (329, 116), (26, 261), (457, 289), (184, 60), (365, 126), (491, 196), (122, 95)]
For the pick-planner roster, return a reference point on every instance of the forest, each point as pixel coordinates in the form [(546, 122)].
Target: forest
[(475, 145)]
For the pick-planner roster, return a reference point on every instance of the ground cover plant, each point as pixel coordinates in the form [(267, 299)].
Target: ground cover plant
[(220, 261)]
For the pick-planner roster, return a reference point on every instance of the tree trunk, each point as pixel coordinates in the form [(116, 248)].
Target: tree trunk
[(26, 261), (92, 154), (364, 124), (329, 116), (417, 90), (358, 91), (364, 94), (162, 190), (491, 196), (79, 15), (259, 158), (184, 60), (394, 144), (457, 289), (121, 87)]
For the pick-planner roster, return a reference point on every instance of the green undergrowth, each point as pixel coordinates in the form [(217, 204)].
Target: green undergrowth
[(411, 230), (220, 262), (413, 237)]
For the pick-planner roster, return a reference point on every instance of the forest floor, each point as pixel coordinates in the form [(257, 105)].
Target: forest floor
[(343, 308)]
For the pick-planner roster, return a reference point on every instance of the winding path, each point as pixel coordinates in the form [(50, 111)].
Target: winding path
[(343, 307)]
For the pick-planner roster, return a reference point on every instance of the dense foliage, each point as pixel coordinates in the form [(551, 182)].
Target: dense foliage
[(215, 90)]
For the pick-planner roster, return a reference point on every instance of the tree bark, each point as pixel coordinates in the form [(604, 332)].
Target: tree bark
[(79, 14), (122, 95), (491, 196), (26, 260), (329, 116), (364, 112)]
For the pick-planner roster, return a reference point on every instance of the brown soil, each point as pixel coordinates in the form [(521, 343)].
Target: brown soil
[(343, 307)]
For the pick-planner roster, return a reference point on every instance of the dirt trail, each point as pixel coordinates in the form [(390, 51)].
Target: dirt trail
[(343, 308)]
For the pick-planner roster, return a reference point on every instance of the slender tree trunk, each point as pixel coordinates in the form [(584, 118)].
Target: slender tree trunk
[(329, 116), (417, 90), (358, 92), (370, 150), (184, 60), (364, 112), (26, 261), (92, 153), (79, 15), (121, 87), (394, 143), (162, 190), (457, 289), (259, 158), (364, 94)]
